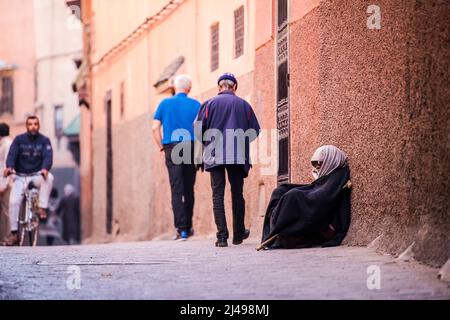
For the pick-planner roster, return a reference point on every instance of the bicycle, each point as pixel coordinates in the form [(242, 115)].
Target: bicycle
[(29, 212)]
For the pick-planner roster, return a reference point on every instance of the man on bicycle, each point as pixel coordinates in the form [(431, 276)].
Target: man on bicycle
[(30, 158)]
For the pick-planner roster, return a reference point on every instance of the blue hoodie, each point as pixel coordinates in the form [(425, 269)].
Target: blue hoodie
[(30, 154)]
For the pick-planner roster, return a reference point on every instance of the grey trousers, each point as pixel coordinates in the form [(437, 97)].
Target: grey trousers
[(4, 214)]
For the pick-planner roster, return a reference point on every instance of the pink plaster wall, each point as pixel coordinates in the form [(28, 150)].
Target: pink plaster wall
[(381, 96), (17, 45)]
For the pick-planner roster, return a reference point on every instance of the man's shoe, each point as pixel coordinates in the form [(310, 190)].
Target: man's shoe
[(184, 235), (238, 241), (12, 240), (177, 236), (43, 216), (221, 243)]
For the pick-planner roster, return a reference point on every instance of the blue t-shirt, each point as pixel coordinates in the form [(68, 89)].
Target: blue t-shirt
[(177, 115)]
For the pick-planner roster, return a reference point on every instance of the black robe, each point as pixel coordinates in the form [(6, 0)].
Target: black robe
[(69, 210), (310, 215)]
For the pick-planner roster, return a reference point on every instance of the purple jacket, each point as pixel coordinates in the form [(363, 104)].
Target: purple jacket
[(228, 125)]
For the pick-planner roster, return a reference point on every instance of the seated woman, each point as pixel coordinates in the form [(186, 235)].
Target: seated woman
[(318, 214)]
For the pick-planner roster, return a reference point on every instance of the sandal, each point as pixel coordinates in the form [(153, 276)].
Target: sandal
[(12, 240)]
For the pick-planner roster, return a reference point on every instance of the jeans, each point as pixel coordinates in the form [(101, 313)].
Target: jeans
[(236, 176), (182, 181), (17, 195)]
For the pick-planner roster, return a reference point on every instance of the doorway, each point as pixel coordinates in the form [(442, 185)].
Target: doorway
[(109, 164)]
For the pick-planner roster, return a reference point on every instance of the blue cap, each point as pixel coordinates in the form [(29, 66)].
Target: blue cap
[(228, 76)]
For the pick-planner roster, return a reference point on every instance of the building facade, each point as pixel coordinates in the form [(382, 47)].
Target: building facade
[(370, 79), (17, 63), (59, 43), (37, 72)]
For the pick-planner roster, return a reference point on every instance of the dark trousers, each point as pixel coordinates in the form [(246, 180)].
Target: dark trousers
[(182, 181), (236, 176)]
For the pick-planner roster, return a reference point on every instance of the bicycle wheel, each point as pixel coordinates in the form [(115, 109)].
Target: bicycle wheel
[(22, 224), (33, 235)]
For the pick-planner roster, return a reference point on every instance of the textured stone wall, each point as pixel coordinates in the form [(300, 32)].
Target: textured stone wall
[(132, 178), (99, 185), (305, 95), (382, 96), (264, 106)]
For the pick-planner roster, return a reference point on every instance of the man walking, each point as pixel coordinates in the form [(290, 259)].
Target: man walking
[(175, 115), (229, 125)]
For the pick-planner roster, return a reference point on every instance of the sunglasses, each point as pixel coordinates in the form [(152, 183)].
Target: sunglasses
[(316, 164)]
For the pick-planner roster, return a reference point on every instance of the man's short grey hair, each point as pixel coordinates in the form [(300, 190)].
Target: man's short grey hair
[(227, 84), (182, 82)]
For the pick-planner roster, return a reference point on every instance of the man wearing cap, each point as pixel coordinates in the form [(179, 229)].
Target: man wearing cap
[(228, 126), (175, 115)]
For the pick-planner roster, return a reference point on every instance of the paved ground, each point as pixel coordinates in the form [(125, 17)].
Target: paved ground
[(197, 270)]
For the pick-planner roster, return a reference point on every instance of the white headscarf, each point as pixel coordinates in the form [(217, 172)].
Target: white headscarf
[(69, 190), (331, 159)]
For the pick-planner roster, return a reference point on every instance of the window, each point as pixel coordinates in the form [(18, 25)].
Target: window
[(59, 122), (239, 29), (122, 99), (6, 95), (215, 47), (76, 3)]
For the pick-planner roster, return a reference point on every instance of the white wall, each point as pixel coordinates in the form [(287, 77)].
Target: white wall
[(58, 42)]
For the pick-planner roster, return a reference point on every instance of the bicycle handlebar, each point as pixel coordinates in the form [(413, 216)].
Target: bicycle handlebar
[(25, 175)]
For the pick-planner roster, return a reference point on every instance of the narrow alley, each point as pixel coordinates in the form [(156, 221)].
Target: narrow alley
[(174, 270)]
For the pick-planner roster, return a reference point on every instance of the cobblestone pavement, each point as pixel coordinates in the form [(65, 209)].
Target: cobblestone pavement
[(196, 270)]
